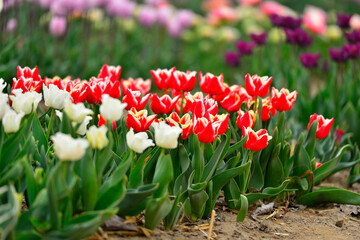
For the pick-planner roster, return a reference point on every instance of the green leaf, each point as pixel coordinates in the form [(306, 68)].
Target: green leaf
[(39, 134), (181, 180), (89, 184), (327, 168), (9, 211), (235, 147), (163, 174), (330, 195), (232, 194), (244, 206), (156, 210), (197, 159), (274, 172), (151, 164), (267, 192), (210, 167), (220, 180), (311, 139), (133, 198), (111, 196)]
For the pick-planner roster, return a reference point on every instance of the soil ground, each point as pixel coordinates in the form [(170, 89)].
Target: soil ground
[(331, 221)]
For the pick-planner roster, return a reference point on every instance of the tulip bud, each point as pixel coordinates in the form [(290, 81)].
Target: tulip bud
[(138, 142), (77, 112), (11, 121), (111, 109), (25, 102), (54, 97), (97, 137), (67, 148), (166, 136)]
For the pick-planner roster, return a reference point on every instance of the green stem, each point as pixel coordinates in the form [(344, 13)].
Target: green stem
[(52, 116), (182, 102), (247, 173), (256, 103)]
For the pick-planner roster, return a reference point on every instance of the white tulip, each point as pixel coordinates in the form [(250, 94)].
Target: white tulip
[(166, 136), (67, 148), (77, 112), (83, 126), (55, 97), (138, 142), (25, 102), (11, 121), (4, 106), (97, 137), (111, 109), (2, 85)]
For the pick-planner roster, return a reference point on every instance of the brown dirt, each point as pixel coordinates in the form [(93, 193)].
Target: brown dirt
[(331, 221)]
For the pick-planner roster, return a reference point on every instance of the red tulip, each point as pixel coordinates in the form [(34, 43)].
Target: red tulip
[(182, 81), (27, 84), (231, 102), (163, 105), (139, 120), (283, 100), (185, 122), (162, 77), (133, 99), (79, 92), (256, 141), (257, 86), (268, 109), (98, 86), (188, 102), (323, 127), (246, 119), (213, 85), (220, 123), (137, 84), (27, 72), (112, 72), (204, 129)]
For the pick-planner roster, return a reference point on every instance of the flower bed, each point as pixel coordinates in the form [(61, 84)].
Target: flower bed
[(92, 152)]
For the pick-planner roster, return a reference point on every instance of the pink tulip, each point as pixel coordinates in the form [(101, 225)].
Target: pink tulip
[(58, 26), (315, 19)]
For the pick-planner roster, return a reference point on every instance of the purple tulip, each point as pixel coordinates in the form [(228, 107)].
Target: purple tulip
[(185, 18), (339, 55), (245, 48), (353, 37), (285, 21), (124, 9), (58, 26), (310, 60), (232, 59), (147, 16), (164, 14), (174, 28), (259, 39), (11, 25), (352, 50), (298, 37), (343, 20)]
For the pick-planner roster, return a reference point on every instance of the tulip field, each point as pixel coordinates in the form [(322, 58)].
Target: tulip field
[(211, 119)]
